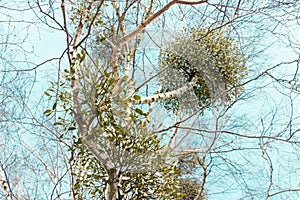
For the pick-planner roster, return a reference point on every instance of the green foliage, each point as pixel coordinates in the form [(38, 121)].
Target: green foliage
[(88, 175), (189, 187), (61, 104), (78, 12), (90, 179), (143, 170), (213, 58), (189, 169), (122, 132)]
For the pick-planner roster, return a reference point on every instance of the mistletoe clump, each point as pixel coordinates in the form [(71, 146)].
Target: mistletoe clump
[(211, 59)]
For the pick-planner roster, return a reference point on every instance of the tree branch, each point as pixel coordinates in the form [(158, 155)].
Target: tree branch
[(166, 95), (139, 28)]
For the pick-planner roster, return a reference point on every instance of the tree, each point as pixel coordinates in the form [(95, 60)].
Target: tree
[(104, 119)]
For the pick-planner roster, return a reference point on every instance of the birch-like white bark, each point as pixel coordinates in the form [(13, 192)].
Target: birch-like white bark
[(83, 124), (4, 184), (166, 95), (5, 187)]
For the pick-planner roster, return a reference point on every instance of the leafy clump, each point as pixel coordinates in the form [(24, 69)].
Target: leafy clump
[(212, 58)]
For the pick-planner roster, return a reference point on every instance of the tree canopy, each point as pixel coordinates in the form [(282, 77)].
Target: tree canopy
[(165, 99)]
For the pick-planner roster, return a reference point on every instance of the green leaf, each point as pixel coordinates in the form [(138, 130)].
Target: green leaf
[(82, 58), (71, 128), (47, 112), (136, 97), (58, 124), (54, 106), (139, 111), (47, 94)]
